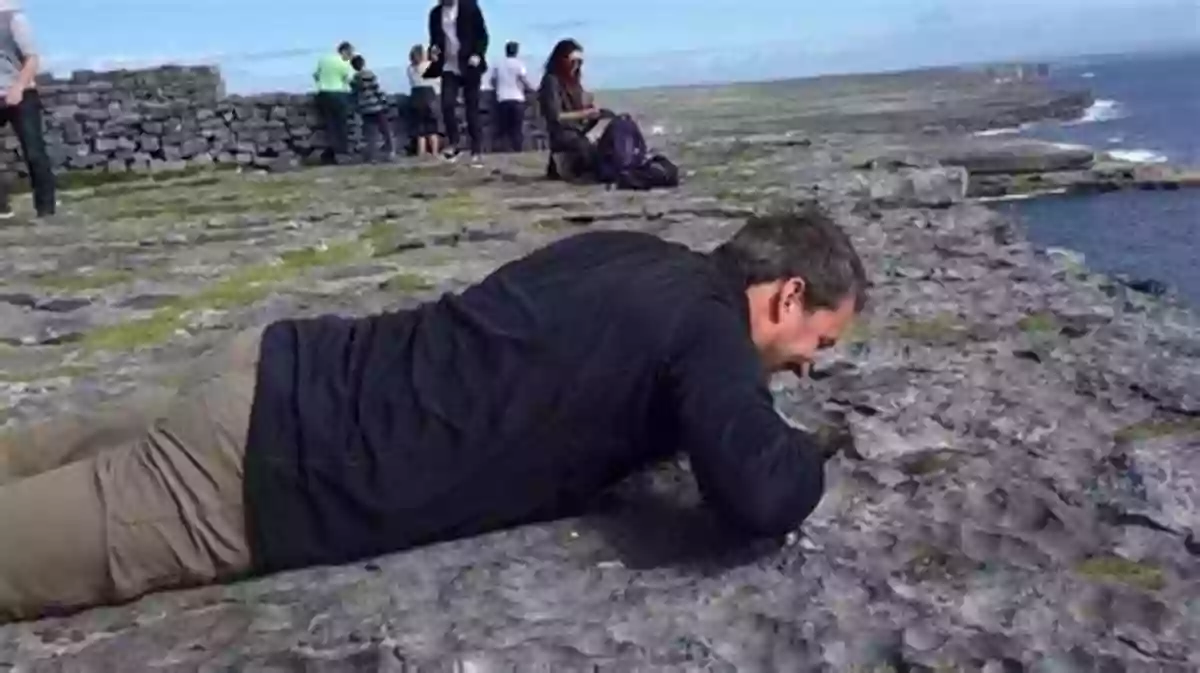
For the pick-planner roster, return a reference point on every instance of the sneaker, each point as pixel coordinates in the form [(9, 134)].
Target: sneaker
[(451, 154), (7, 214), (476, 160)]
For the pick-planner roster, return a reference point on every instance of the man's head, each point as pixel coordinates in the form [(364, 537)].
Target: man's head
[(804, 283), (449, 3), (346, 51), (511, 49), (358, 63)]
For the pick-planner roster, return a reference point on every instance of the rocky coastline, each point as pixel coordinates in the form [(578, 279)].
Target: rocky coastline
[(1024, 496)]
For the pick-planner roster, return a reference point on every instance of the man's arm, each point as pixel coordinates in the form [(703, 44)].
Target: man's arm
[(764, 475), (30, 62), (523, 78)]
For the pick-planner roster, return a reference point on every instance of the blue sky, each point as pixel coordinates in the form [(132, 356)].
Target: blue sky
[(272, 44)]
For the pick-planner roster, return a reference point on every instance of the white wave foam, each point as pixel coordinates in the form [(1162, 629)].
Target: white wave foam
[(998, 132), (1070, 146), (1020, 197), (1139, 156), (1088, 75), (1103, 110)]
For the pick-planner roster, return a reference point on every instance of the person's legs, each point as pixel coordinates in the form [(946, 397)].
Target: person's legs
[(385, 131), (27, 123), (61, 441), (518, 126), (370, 129), (501, 132), (325, 110), (165, 511), (451, 83), (341, 116), (471, 84), (6, 115)]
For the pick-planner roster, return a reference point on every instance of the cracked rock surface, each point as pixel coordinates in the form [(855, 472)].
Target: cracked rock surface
[(1023, 496)]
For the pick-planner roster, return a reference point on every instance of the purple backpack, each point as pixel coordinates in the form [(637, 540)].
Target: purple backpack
[(621, 148)]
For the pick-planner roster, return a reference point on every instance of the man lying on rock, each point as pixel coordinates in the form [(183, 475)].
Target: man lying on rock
[(332, 439)]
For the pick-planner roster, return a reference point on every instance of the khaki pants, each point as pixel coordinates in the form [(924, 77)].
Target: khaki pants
[(103, 510)]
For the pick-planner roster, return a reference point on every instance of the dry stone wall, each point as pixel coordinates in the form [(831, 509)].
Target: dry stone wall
[(175, 117)]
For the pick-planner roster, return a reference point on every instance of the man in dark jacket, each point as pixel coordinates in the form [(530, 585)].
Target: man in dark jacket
[(329, 440), (458, 43)]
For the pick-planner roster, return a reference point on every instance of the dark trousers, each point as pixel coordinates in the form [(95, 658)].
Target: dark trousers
[(376, 123), (334, 107), (510, 124), (468, 84), (26, 120)]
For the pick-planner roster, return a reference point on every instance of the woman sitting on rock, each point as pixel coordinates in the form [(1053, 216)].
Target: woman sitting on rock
[(572, 120)]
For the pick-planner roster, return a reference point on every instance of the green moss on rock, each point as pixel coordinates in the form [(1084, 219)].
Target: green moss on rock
[(1154, 429), (243, 287), (1039, 323), (1123, 571), (405, 283)]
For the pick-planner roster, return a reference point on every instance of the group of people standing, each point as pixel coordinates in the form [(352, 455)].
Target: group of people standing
[(451, 67)]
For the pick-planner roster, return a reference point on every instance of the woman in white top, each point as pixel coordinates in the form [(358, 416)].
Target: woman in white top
[(424, 102)]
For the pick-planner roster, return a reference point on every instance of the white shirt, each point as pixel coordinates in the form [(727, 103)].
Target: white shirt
[(416, 77), (450, 28), (506, 79)]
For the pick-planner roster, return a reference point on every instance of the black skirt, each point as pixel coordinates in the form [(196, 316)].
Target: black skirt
[(424, 111)]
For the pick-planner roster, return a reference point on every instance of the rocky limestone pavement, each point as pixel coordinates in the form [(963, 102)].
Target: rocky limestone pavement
[(1023, 496)]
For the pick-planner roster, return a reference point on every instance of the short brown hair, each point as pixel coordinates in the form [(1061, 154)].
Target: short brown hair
[(802, 243), (416, 54)]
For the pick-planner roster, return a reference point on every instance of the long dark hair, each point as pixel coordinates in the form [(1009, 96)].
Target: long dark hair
[(560, 66)]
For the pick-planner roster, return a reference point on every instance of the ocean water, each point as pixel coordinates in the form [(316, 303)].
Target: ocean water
[(1147, 110)]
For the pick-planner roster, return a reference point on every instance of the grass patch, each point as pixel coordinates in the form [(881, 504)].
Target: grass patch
[(125, 189), (937, 329), (1123, 571), (406, 283), (460, 207), (82, 282), (196, 206), (242, 287), (1038, 323), (129, 335), (1150, 429), (92, 178)]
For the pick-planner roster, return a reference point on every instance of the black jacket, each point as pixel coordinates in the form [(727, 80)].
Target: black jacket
[(472, 38), (517, 401)]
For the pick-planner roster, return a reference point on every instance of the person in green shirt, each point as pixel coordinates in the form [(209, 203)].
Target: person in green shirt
[(333, 76)]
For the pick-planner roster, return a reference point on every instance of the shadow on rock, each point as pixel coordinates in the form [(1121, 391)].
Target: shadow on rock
[(650, 529)]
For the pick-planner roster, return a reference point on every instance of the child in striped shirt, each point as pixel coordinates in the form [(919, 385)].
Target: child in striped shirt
[(372, 105)]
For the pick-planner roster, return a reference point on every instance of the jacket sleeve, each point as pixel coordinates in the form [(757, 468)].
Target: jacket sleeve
[(764, 475), (481, 32), (435, 27)]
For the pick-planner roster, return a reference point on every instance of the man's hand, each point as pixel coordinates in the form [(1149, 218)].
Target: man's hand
[(473, 61), (14, 96), (835, 436)]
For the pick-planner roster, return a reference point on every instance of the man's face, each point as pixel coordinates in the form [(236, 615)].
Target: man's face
[(789, 335)]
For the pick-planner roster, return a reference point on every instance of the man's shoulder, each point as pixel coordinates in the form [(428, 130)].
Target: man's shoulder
[(633, 250)]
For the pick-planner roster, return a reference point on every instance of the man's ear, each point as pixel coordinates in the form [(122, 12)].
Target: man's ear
[(791, 294)]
